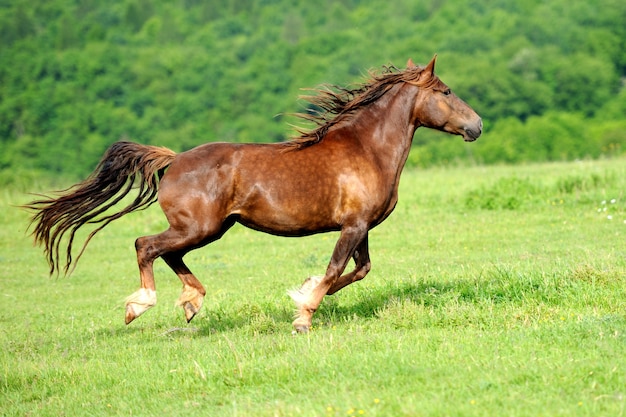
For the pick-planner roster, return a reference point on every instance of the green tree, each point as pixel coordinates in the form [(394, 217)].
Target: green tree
[(545, 76)]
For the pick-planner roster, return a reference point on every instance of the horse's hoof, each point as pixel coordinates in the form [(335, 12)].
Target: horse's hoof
[(191, 301), (301, 326), (130, 314), (190, 311), (300, 330)]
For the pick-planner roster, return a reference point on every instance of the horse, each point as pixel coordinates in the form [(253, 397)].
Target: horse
[(341, 175)]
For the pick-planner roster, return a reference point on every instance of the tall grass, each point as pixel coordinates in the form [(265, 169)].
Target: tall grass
[(494, 291)]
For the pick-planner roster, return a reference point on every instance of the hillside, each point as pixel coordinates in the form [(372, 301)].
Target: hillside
[(75, 76)]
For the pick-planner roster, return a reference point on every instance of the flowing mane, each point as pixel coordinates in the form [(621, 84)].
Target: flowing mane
[(332, 103)]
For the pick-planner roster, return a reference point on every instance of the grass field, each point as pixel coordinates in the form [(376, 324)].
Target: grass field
[(495, 291)]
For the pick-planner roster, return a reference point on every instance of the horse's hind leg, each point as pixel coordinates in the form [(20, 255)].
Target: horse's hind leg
[(148, 249), (144, 298), (182, 236), (171, 245), (193, 293)]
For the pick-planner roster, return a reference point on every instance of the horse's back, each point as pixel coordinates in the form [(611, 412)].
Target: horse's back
[(275, 188)]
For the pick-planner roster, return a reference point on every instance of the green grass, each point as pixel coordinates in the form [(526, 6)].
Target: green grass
[(494, 291)]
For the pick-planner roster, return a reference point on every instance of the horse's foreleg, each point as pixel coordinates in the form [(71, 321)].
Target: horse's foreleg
[(193, 293), (362, 267), (309, 300)]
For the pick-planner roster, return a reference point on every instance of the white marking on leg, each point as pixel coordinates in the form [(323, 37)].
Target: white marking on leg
[(189, 294), (301, 295), (140, 301), (191, 301)]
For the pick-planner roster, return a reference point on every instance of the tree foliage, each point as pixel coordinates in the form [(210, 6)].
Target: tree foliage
[(75, 76)]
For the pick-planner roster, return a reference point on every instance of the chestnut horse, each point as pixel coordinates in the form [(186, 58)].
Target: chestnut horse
[(341, 176)]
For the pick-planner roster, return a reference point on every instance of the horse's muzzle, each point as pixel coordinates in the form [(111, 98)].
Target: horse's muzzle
[(471, 133)]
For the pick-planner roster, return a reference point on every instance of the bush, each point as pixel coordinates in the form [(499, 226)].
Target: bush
[(506, 193)]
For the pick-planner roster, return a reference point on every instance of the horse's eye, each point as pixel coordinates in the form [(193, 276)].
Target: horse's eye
[(447, 92)]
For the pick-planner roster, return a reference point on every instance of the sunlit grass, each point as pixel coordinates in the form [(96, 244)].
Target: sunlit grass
[(470, 309)]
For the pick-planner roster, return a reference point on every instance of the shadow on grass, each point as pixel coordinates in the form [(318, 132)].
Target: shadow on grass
[(268, 317), (363, 301), (367, 302)]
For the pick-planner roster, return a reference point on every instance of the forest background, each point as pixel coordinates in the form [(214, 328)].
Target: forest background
[(548, 77)]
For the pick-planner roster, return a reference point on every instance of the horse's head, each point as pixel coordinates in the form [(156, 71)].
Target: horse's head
[(439, 108)]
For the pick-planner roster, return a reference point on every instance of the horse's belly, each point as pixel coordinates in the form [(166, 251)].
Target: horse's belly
[(296, 217)]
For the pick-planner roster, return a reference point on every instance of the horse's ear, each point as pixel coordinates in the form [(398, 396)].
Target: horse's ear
[(430, 68), (410, 64)]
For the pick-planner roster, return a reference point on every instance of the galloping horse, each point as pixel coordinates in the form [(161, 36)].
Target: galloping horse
[(341, 176)]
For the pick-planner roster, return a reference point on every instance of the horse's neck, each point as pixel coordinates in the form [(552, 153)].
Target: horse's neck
[(387, 128)]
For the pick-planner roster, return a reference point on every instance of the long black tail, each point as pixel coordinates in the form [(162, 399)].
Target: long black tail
[(85, 202)]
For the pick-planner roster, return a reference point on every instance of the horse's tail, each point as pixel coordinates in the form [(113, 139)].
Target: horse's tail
[(87, 201)]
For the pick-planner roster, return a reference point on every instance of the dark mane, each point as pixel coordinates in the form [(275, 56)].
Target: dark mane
[(332, 103)]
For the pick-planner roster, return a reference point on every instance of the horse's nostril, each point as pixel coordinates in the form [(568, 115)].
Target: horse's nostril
[(476, 130), (473, 132)]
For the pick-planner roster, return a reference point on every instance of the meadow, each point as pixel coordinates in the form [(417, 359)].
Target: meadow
[(494, 290)]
